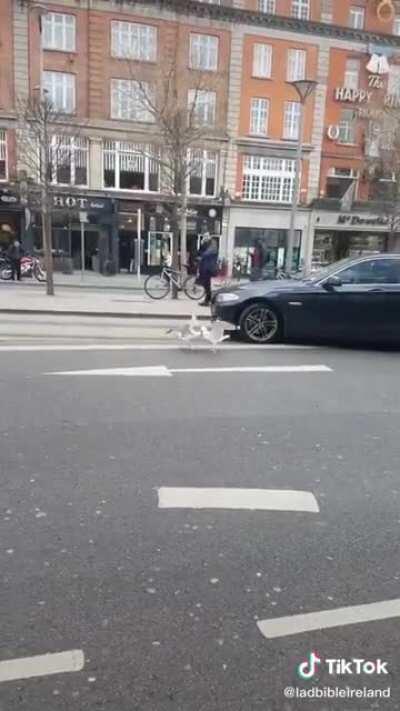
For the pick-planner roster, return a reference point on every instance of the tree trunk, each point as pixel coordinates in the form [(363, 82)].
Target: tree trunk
[(48, 252), (183, 233)]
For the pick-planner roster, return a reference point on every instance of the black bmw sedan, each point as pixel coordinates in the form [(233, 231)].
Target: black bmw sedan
[(350, 300)]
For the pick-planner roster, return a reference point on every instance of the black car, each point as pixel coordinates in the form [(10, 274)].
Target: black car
[(350, 300)]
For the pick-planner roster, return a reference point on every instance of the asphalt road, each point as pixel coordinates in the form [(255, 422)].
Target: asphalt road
[(164, 603)]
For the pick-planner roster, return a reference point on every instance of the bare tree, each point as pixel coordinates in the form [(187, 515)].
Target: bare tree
[(44, 144), (382, 170), (177, 107)]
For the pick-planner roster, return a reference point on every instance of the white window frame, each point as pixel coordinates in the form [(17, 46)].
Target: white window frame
[(76, 146), (140, 152), (204, 111), (352, 73), (347, 129), (262, 60), (356, 17), (291, 120), (208, 160), (140, 40), (4, 153), (267, 179), (58, 32), (296, 64), (259, 116), (396, 25), (67, 90), (267, 6), (301, 9), (127, 101), (203, 52)]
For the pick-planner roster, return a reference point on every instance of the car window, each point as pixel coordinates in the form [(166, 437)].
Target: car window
[(379, 271)]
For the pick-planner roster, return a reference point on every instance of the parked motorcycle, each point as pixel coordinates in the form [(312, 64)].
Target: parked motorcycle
[(30, 267)]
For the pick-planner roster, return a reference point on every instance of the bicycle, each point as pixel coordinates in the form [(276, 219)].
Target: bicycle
[(158, 286)]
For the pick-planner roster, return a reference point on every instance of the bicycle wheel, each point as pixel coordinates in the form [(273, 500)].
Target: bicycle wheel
[(157, 286), (192, 289), (39, 273)]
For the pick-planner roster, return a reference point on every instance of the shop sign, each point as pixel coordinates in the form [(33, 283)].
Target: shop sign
[(362, 96), (8, 199), (358, 220), (81, 203)]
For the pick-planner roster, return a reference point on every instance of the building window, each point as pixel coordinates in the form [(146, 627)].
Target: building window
[(211, 2), (69, 160), (339, 181), (262, 60), (393, 86), (396, 25), (61, 90), (352, 74), (132, 40), (129, 100), (347, 127), (268, 6), (58, 32), (203, 52), (203, 173), (202, 107), (301, 9), (291, 120), (130, 166), (259, 112), (356, 17), (3, 155), (296, 64), (268, 179)]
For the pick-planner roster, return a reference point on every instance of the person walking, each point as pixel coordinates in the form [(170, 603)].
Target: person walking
[(257, 261), (208, 268), (14, 254)]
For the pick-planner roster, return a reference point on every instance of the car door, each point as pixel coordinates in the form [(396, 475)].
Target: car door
[(355, 310)]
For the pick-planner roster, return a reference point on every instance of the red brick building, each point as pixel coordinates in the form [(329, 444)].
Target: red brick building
[(242, 188)]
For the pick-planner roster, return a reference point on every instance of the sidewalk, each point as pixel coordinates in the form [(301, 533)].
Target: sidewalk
[(24, 297)]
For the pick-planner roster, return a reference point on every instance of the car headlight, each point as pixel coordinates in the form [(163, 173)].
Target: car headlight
[(226, 298)]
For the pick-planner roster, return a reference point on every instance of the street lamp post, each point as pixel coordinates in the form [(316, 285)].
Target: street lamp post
[(83, 219), (304, 88)]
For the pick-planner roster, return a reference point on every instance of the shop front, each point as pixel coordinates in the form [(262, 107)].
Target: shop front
[(340, 234), (11, 217), (145, 233), (73, 217), (264, 230)]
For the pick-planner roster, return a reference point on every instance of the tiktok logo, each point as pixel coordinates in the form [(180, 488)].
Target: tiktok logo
[(307, 669)]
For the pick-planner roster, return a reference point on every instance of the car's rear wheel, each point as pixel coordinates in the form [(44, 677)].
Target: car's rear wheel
[(260, 323)]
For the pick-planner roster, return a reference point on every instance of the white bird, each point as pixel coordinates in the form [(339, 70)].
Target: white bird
[(189, 332), (215, 334)]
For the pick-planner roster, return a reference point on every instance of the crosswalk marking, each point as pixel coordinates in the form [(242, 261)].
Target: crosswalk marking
[(163, 371)]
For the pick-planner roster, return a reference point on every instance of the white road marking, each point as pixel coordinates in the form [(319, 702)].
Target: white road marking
[(297, 624), (145, 347), (163, 371), (42, 665), (232, 498), (154, 371)]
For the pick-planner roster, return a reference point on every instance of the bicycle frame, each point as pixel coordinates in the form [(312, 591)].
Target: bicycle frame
[(174, 276)]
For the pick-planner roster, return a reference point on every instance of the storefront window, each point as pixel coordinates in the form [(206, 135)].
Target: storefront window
[(272, 246), (128, 166), (331, 246)]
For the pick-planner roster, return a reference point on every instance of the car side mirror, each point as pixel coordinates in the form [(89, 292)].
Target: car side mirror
[(332, 283)]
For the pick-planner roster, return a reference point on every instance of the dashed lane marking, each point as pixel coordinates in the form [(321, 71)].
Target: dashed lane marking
[(235, 498), (42, 665)]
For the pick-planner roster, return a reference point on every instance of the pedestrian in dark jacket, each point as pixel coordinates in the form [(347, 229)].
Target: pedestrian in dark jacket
[(207, 269), (14, 254), (257, 261)]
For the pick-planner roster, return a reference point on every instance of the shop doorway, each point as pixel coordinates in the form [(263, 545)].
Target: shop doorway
[(272, 243)]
